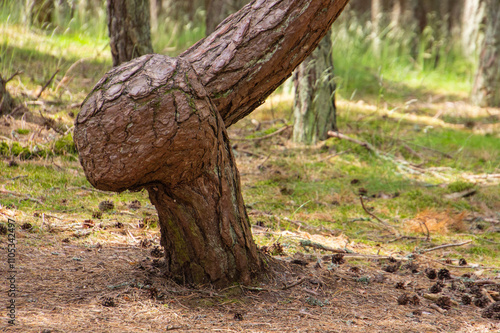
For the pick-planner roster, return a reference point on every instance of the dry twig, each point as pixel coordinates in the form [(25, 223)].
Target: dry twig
[(445, 246), (307, 243), (265, 136), (13, 76), (348, 138), (387, 225), (47, 84), (296, 283)]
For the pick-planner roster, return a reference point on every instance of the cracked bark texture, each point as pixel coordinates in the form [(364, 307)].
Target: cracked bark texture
[(129, 29), (159, 123)]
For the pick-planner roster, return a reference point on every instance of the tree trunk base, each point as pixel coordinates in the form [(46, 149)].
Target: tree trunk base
[(205, 230)]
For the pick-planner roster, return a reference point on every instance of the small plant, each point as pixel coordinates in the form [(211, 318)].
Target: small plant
[(65, 145), (22, 131)]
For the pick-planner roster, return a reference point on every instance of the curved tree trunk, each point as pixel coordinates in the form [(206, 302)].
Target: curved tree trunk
[(160, 123), (129, 29), (485, 91), (314, 104)]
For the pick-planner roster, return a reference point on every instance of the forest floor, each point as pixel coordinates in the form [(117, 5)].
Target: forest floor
[(90, 261)]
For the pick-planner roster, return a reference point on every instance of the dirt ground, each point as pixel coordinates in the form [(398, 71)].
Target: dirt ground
[(66, 287)]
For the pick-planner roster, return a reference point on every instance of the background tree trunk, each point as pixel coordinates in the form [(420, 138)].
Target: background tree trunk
[(486, 89), (42, 13), (376, 17), (218, 10), (171, 115), (314, 104), (156, 7), (6, 101), (472, 21), (361, 7), (129, 29)]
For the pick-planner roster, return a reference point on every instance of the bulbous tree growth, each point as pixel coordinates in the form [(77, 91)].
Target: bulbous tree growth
[(159, 123)]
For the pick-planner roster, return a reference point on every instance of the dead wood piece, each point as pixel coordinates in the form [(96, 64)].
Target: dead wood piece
[(50, 123), (296, 283), (348, 138), (385, 224), (430, 149), (444, 246), (265, 136), (307, 243), (405, 237), (13, 76), (462, 194), (66, 78), (437, 308), (47, 84)]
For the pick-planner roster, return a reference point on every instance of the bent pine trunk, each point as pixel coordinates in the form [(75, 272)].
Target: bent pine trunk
[(159, 123)]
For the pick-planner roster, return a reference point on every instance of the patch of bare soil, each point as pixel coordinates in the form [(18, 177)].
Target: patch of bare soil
[(63, 287)]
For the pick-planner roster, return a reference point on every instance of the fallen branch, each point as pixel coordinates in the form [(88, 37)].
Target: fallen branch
[(430, 149), (437, 308), (387, 225), (47, 84), (265, 136), (307, 243), (13, 76), (348, 138), (406, 237), (445, 246), (462, 194), (296, 283), (66, 78)]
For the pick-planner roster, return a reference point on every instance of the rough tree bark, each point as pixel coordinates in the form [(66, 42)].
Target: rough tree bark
[(218, 10), (486, 88), (159, 123), (314, 104), (129, 29)]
